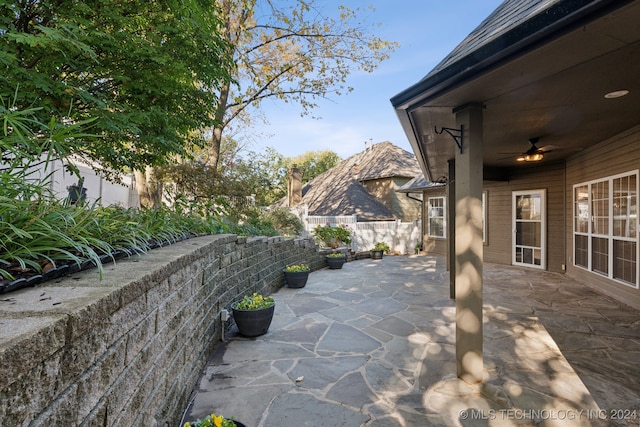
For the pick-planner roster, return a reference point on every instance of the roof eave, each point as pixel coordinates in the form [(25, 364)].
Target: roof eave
[(560, 18)]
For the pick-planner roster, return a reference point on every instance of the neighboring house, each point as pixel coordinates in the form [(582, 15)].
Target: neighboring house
[(361, 192), (365, 185), (542, 106)]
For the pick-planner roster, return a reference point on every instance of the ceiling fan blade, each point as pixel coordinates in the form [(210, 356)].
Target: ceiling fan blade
[(512, 156), (548, 148)]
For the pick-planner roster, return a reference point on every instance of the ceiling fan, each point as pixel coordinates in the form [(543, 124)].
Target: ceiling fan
[(533, 154)]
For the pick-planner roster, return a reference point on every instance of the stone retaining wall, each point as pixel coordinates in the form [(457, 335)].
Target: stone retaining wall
[(127, 350)]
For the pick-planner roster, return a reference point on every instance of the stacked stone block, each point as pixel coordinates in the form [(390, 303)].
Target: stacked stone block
[(128, 348)]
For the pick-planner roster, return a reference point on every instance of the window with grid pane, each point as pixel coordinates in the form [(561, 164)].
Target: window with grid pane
[(605, 226), (436, 213), (581, 225), (625, 223)]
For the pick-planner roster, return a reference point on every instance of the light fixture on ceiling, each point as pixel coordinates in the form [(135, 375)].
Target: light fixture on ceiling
[(616, 94), (530, 157), (533, 154)]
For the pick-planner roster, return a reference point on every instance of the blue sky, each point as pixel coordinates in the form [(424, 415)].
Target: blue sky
[(427, 30)]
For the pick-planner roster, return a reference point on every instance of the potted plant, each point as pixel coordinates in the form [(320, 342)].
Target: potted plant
[(253, 314), (296, 275), (332, 237), (379, 249), (335, 260), (214, 420)]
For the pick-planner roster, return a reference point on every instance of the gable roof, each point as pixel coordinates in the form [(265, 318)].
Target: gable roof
[(339, 191), (385, 160)]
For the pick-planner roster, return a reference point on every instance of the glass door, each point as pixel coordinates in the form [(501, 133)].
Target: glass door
[(529, 235)]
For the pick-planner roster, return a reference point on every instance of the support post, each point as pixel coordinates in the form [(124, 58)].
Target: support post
[(468, 245), (451, 229)]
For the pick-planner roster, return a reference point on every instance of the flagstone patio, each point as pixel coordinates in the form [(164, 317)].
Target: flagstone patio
[(373, 344)]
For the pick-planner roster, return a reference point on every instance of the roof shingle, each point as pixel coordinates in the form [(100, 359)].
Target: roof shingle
[(339, 191)]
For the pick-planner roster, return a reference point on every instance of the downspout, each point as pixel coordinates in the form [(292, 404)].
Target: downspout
[(564, 219), (421, 216), (413, 198)]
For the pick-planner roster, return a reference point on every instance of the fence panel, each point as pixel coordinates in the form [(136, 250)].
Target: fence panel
[(401, 237)]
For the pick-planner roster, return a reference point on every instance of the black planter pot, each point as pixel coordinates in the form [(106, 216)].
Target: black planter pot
[(296, 279), (335, 263), (377, 254), (253, 323)]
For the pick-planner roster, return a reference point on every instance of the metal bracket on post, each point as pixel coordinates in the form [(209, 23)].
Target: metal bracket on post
[(456, 134)]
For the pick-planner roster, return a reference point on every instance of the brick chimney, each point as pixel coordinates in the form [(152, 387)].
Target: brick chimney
[(294, 190)]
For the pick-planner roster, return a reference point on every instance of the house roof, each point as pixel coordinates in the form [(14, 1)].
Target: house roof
[(339, 191), (540, 68), (385, 160), (504, 19)]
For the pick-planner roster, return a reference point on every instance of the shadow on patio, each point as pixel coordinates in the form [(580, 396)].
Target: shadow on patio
[(373, 344)]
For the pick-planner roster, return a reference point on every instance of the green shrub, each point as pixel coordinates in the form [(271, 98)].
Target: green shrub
[(285, 222), (332, 236), (381, 246), (39, 231)]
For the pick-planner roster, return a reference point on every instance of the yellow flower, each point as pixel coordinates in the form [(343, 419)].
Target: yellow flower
[(217, 420), (187, 424)]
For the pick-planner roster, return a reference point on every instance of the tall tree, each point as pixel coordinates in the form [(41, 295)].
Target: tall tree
[(261, 176), (293, 53), (148, 72), (313, 163)]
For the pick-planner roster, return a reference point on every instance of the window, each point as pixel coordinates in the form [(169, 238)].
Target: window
[(605, 227), (436, 213)]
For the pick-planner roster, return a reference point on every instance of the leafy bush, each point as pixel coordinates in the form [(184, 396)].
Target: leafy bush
[(332, 236), (39, 232), (285, 222), (252, 223), (381, 246)]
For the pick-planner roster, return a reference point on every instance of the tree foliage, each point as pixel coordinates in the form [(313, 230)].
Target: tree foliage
[(147, 72), (291, 53), (313, 163), (41, 233), (243, 177)]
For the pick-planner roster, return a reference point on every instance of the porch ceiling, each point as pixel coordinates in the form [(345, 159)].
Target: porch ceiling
[(553, 90)]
